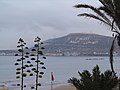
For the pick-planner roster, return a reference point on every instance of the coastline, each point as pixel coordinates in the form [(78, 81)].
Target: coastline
[(62, 87), (4, 88), (65, 87)]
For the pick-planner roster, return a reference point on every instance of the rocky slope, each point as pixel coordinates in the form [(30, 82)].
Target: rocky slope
[(79, 44)]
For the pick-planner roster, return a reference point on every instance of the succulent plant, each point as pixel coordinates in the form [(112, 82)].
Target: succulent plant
[(36, 56), (20, 62)]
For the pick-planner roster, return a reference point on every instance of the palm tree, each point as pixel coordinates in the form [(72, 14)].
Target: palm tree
[(109, 14)]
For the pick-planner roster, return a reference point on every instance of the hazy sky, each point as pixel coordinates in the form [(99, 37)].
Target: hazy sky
[(44, 18)]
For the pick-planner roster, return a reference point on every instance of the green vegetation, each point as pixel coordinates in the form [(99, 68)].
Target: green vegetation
[(95, 80), (33, 66), (36, 56), (21, 69), (109, 14)]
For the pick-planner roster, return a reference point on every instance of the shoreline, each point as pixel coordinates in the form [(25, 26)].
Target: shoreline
[(4, 88), (65, 87), (61, 87)]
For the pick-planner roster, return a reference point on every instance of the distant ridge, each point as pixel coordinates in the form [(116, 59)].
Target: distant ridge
[(85, 34), (76, 44), (78, 35)]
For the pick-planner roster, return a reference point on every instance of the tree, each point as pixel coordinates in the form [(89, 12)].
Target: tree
[(109, 14), (95, 80)]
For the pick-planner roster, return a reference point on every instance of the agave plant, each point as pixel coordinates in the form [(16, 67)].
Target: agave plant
[(109, 14), (37, 56), (21, 62)]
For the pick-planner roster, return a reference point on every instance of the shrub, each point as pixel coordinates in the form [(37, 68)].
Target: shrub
[(95, 80)]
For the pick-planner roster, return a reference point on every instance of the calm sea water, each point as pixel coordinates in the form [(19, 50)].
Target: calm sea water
[(63, 68)]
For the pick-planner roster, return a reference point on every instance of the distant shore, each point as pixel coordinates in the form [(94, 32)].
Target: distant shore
[(4, 88), (63, 55), (65, 87)]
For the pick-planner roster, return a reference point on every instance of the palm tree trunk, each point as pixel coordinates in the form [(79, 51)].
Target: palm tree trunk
[(111, 56)]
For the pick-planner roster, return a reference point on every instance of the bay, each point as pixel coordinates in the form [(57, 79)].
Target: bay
[(63, 69)]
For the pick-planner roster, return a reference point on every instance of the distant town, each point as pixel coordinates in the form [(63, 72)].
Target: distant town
[(74, 44)]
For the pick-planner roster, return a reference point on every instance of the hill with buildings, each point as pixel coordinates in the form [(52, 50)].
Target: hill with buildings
[(75, 44)]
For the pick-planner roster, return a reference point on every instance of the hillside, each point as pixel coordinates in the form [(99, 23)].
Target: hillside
[(79, 44), (75, 44)]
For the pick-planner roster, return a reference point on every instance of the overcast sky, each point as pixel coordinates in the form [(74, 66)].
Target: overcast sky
[(44, 18)]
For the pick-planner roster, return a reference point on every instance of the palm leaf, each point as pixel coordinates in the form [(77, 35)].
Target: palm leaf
[(96, 10), (107, 11), (94, 17), (101, 16), (108, 4), (117, 4)]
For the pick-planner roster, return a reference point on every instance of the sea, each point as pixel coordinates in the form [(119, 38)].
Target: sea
[(62, 67)]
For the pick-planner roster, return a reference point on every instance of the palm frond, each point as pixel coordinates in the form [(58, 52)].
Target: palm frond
[(107, 11), (94, 17), (102, 1), (117, 4), (117, 12), (108, 4), (96, 10)]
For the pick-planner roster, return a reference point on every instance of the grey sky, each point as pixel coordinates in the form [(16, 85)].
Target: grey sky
[(45, 18)]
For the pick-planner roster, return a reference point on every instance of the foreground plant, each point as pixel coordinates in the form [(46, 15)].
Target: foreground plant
[(37, 56), (95, 80), (109, 14), (22, 63)]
